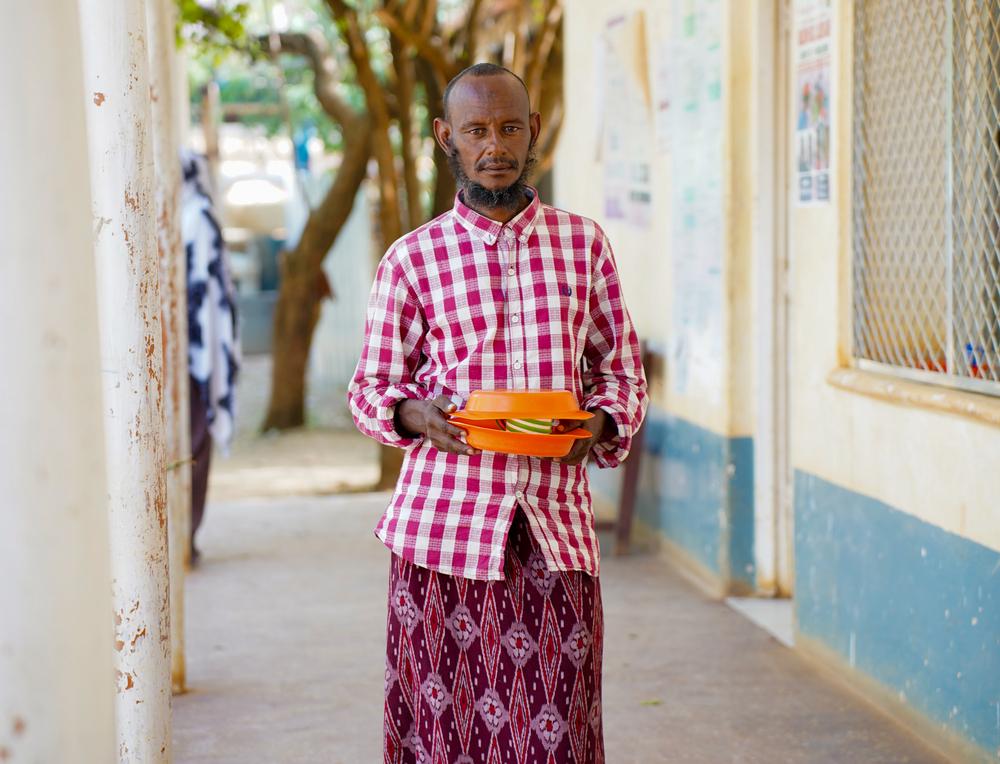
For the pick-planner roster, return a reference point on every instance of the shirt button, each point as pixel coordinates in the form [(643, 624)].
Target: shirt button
[(510, 271), (517, 364), (515, 318), (519, 494)]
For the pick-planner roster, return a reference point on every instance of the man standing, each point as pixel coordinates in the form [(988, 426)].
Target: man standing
[(495, 624)]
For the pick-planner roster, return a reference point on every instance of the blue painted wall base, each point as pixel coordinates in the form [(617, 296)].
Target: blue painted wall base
[(912, 606), (696, 487)]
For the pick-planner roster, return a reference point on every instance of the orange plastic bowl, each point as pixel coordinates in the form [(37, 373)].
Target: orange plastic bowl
[(522, 404), (488, 436)]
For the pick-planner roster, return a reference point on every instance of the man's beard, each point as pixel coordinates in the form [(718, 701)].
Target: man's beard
[(477, 195)]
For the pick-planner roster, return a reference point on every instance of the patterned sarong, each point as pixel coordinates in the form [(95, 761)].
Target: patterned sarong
[(494, 672)]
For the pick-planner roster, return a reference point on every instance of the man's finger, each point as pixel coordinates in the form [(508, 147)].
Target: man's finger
[(457, 447), (447, 437), (449, 430), (455, 432), (577, 453), (443, 402)]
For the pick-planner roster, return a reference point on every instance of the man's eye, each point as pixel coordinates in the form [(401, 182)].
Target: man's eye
[(477, 131), (511, 129)]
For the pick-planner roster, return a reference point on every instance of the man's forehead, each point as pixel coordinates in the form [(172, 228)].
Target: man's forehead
[(498, 95)]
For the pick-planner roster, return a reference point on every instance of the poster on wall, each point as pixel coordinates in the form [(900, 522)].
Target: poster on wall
[(696, 337), (813, 82), (624, 90)]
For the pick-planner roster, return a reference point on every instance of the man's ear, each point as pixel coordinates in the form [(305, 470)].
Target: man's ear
[(535, 126), (442, 133)]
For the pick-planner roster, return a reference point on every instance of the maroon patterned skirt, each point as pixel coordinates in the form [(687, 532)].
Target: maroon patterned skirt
[(494, 672)]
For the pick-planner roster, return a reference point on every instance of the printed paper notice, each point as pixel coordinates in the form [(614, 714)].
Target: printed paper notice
[(813, 82), (625, 151), (696, 335)]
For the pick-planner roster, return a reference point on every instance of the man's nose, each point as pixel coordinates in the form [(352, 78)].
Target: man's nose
[(495, 146)]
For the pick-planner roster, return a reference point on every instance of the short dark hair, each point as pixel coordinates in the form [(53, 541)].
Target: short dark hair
[(484, 69)]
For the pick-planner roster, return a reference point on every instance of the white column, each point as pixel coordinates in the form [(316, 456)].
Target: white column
[(182, 95), (56, 687), (160, 16), (115, 67)]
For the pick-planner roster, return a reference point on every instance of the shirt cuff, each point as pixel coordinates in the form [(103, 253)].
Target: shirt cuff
[(610, 452), (386, 413)]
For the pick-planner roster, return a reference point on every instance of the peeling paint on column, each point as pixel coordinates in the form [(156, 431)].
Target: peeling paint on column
[(161, 17), (99, 99), (129, 296)]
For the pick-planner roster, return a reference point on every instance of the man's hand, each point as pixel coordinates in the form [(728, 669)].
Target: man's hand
[(430, 418), (596, 426)]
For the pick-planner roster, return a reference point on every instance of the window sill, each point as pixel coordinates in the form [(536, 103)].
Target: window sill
[(903, 392)]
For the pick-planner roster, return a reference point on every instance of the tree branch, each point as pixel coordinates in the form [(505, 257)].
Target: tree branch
[(428, 47), (444, 182), (313, 46), (538, 63), (410, 11), (405, 76), (430, 17), (471, 30), (547, 142), (347, 20)]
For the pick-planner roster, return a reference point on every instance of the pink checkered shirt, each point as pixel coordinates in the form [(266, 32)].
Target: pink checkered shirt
[(465, 303)]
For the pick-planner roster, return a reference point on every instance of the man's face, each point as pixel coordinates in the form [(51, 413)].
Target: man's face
[(489, 135)]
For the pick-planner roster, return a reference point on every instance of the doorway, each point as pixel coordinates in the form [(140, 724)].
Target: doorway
[(773, 518)]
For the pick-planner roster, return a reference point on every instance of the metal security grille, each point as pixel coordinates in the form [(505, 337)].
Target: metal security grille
[(926, 175)]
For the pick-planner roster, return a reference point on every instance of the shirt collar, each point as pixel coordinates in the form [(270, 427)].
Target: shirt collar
[(490, 230)]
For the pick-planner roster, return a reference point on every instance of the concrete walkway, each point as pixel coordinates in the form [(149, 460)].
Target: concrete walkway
[(286, 619)]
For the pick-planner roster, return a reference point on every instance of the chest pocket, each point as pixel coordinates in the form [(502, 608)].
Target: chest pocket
[(560, 298)]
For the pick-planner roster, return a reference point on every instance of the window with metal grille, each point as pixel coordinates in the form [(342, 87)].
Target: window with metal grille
[(926, 190)]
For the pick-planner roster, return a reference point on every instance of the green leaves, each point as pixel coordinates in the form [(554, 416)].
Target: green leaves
[(216, 29)]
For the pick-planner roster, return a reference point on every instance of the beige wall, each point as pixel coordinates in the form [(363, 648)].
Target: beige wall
[(941, 468), (643, 255)]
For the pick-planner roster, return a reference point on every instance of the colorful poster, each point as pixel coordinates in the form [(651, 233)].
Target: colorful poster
[(813, 83), (627, 129), (697, 225)]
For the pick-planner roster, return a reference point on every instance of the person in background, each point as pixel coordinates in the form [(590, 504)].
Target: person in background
[(213, 347)]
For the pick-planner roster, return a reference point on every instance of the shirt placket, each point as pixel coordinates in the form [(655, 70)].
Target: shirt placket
[(518, 473), (516, 360)]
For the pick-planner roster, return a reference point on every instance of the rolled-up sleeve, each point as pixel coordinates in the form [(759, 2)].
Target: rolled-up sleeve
[(394, 334), (613, 378)]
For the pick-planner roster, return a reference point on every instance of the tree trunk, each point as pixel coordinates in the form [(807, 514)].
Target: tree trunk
[(444, 181), (378, 110), (303, 284), (56, 680), (115, 70), (404, 66), (444, 184)]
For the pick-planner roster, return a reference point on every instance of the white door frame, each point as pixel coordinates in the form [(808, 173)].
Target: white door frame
[(772, 489)]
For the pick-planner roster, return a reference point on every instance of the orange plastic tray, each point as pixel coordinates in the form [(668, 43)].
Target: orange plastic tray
[(522, 404), (489, 436)]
